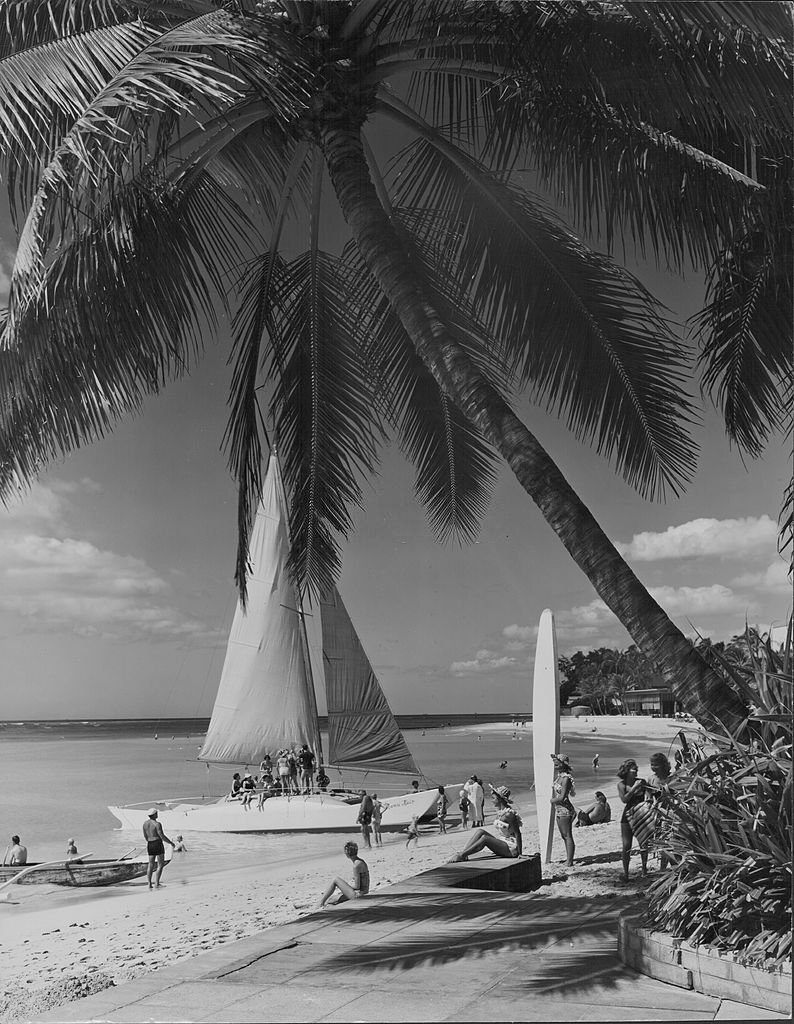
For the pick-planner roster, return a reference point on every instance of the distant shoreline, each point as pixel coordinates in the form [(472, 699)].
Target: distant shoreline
[(198, 725)]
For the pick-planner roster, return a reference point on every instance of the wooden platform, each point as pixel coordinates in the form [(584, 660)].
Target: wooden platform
[(492, 874)]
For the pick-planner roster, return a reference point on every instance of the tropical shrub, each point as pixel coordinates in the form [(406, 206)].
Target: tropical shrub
[(725, 825)]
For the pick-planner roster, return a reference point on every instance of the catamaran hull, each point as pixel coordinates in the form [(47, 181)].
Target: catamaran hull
[(317, 813)]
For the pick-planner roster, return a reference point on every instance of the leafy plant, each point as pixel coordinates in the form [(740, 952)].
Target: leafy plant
[(726, 823)]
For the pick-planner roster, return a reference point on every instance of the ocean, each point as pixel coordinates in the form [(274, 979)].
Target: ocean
[(59, 777)]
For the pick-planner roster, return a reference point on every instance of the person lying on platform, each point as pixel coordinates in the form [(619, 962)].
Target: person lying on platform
[(597, 813), (359, 886)]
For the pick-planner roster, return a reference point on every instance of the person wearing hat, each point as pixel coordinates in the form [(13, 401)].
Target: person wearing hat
[(562, 790), (247, 790), (505, 838), (155, 837)]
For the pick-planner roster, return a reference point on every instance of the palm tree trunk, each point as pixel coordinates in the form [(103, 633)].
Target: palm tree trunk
[(693, 682)]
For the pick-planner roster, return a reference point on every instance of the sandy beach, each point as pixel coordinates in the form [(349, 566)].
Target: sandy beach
[(55, 949)]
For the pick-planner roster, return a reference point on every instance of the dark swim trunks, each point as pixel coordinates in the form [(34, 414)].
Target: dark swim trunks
[(155, 847)]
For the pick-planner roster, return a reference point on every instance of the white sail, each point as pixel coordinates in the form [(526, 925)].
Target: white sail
[(362, 731), (265, 700), (277, 650)]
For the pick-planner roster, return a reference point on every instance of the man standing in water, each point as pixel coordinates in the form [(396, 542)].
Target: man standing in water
[(155, 837)]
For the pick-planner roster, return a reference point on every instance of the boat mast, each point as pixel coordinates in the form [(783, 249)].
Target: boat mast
[(304, 635), (308, 662)]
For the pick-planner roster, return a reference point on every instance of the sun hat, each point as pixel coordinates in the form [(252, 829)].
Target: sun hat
[(563, 758), (151, 813), (501, 791), (70, 840)]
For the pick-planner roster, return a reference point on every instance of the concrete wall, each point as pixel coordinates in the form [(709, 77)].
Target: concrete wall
[(701, 968)]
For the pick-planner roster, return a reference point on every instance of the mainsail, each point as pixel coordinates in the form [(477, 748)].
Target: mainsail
[(265, 699), (362, 731)]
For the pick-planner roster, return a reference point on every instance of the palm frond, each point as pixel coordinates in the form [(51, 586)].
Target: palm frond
[(42, 97), (325, 414), (454, 464), (125, 307), (195, 69), (260, 286), (563, 315), (745, 336), (24, 25), (611, 113)]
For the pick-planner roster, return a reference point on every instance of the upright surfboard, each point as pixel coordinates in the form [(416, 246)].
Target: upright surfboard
[(545, 727)]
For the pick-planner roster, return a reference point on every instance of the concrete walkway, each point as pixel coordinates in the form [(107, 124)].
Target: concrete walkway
[(416, 952)]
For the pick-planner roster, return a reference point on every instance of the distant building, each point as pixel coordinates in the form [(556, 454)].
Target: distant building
[(657, 701)]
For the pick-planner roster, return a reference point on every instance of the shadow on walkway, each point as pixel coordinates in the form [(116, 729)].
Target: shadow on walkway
[(539, 945)]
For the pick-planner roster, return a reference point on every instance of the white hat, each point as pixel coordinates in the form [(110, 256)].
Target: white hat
[(152, 812)]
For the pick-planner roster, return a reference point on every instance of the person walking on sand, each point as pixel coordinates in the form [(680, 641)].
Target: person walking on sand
[(631, 791), (17, 854), (377, 813), (364, 818), (413, 832), (155, 837), (505, 839), (561, 792), (359, 886), (441, 810)]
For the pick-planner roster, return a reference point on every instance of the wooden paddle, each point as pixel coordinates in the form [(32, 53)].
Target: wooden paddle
[(35, 867)]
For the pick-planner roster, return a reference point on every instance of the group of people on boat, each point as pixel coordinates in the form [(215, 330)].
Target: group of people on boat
[(292, 773)]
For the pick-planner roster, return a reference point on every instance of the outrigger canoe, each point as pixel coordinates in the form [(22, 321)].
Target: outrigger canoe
[(75, 872)]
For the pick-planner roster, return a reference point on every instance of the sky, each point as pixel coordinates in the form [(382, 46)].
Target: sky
[(116, 567)]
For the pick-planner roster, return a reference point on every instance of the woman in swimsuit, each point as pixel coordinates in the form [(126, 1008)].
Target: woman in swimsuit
[(505, 841), (562, 790), (631, 791)]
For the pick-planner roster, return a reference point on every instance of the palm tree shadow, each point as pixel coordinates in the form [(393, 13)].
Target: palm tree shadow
[(567, 942)]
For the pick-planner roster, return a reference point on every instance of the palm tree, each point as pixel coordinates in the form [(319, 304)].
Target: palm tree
[(154, 151)]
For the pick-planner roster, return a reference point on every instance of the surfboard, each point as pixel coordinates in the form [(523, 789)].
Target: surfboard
[(545, 727)]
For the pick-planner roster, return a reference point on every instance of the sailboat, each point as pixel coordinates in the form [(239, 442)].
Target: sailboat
[(280, 653)]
